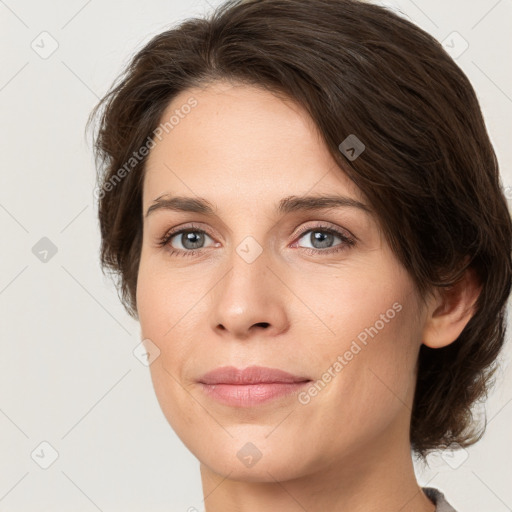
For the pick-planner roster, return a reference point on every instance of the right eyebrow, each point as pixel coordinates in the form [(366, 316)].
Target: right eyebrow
[(182, 204)]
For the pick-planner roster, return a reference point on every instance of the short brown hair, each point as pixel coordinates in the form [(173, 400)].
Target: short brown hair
[(428, 170)]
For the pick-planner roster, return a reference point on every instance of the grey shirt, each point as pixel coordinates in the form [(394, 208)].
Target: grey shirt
[(437, 497)]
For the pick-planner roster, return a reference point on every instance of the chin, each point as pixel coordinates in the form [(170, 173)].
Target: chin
[(251, 462)]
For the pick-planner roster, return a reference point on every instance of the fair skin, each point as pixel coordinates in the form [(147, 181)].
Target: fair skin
[(297, 307)]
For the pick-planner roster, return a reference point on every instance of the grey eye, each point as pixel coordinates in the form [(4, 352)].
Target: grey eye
[(189, 240), (320, 238)]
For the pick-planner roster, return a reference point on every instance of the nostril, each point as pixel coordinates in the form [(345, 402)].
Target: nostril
[(263, 324)]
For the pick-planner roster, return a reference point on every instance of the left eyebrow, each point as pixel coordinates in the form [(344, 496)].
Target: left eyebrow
[(286, 205), (320, 202)]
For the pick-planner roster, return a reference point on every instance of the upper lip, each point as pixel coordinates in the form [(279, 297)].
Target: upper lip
[(249, 375)]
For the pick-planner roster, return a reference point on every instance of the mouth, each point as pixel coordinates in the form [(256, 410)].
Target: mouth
[(249, 387)]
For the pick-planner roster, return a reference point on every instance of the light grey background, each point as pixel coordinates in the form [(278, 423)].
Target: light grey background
[(68, 376)]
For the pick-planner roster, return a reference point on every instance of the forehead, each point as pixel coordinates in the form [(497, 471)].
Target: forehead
[(240, 143)]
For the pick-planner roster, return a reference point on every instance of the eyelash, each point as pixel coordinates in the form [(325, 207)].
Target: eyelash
[(346, 241)]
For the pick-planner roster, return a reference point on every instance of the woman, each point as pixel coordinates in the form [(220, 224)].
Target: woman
[(305, 213)]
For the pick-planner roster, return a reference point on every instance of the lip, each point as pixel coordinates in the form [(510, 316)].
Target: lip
[(249, 375), (251, 386)]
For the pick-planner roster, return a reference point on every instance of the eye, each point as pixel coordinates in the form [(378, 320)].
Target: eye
[(322, 239), (189, 239), (185, 241)]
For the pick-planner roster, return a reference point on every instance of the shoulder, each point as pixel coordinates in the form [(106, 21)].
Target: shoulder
[(437, 497)]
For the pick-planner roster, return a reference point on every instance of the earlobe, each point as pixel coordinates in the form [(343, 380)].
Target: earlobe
[(450, 311)]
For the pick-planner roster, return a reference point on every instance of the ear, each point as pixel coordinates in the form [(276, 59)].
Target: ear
[(450, 310)]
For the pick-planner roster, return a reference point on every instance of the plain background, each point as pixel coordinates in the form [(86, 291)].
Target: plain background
[(68, 375)]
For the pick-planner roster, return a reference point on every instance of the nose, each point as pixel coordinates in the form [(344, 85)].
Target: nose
[(250, 299)]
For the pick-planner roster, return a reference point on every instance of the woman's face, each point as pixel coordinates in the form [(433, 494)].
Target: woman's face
[(262, 279)]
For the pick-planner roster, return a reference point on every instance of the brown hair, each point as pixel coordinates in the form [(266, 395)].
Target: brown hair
[(428, 170)]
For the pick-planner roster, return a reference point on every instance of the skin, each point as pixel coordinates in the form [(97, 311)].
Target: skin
[(347, 449)]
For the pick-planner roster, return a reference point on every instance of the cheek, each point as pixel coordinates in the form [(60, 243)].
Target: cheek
[(355, 303), (169, 310), (163, 298), (371, 349), (378, 382), (157, 316)]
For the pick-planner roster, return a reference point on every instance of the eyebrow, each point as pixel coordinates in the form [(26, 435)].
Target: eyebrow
[(286, 205)]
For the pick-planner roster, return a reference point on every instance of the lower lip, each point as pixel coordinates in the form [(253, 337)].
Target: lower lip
[(249, 395)]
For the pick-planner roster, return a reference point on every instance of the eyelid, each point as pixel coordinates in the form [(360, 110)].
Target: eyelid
[(189, 226), (325, 225), (180, 229)]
